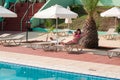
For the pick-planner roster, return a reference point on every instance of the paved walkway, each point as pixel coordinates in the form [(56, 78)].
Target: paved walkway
[(86, 55)]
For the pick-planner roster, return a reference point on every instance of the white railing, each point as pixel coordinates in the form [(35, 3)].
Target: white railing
[(14, 5), (27, 11), (32, 5)]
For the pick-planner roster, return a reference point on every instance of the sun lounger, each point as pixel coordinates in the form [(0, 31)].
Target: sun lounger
[(16, 40), (110, 34), (77, 46), (113, 52), (3, 36), (47, 45)]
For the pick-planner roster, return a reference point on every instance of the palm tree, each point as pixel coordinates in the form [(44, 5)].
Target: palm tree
[(90, 39)]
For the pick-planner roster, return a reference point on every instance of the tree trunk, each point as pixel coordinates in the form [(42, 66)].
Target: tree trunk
[(90, 39)]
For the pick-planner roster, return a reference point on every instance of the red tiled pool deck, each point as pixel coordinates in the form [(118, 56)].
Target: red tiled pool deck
[(84, 56)]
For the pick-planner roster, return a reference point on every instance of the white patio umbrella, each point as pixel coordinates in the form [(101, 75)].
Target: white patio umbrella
[(6, 12), (113, 12), (55, 12), (68, 20)]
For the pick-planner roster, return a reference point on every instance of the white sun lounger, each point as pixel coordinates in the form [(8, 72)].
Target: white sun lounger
[(77, 46), (113, 52), (110, 34), (4, 35), (16, 40), (72, 46), (47, 45)]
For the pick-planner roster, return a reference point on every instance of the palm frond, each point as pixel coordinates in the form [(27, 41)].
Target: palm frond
[(90, 6), (51, 29)]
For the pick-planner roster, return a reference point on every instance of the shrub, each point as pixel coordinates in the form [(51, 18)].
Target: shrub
[(118, 29)]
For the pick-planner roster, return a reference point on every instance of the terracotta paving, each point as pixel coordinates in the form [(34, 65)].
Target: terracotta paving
[(84, 56)]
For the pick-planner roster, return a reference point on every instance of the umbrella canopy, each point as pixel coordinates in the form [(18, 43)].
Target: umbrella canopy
[(6, 13), (55, 11), (113, 12)]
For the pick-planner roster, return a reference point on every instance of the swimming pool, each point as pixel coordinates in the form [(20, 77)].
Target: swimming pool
[(10, 71)]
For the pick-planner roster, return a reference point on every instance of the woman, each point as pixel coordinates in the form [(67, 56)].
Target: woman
[(76, 37)]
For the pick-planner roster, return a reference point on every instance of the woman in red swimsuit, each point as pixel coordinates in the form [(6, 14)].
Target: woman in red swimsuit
[(76, 37)]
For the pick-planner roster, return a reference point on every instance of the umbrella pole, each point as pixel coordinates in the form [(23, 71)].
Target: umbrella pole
[(2, 25), (27, 21), (57, 28), (57, 32), (68, 26), (115, 22)]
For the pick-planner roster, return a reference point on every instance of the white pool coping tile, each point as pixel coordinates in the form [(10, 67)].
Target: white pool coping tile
[(98, 69)]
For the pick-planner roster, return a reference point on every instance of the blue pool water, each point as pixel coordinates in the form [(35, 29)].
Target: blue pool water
[(10, 71)]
